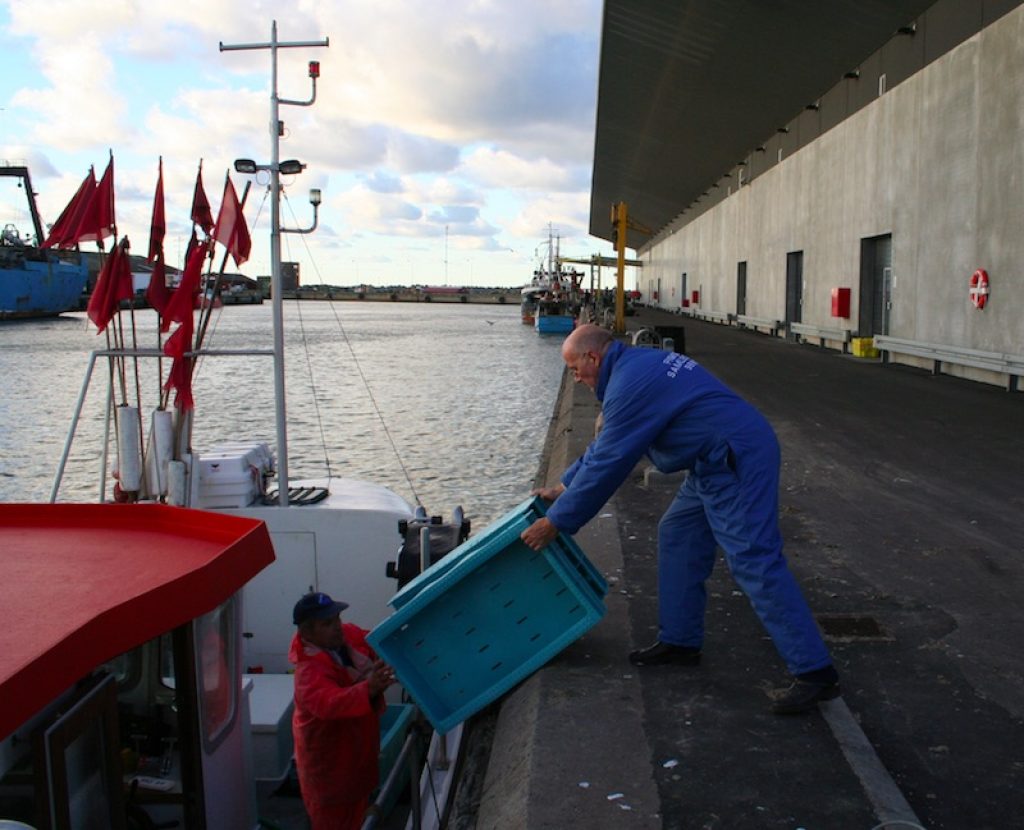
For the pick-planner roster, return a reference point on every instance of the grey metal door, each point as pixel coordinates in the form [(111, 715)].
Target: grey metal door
[(794, 286), (741, 288), (876, 280)]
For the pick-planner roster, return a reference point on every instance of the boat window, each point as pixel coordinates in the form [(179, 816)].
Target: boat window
[(216, 635), (81, 758)]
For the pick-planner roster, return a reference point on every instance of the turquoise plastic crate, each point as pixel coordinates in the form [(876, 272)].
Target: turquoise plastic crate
[(487, 616), (499, 535)]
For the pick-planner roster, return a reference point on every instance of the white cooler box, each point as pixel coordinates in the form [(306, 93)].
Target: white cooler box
[(232, 475)]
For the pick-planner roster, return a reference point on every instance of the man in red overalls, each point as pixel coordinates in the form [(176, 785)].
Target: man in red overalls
[(339, 686)]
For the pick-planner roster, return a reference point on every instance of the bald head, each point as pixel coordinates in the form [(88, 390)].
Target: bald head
[(583, 351), (586, 338)]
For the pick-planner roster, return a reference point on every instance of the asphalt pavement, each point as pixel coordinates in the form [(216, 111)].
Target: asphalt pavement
[(902, 507)]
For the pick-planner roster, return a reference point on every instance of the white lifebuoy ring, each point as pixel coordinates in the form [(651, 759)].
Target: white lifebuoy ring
[(979, 288)]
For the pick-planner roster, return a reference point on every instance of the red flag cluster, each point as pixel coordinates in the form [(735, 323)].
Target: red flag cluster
[(89, 216)]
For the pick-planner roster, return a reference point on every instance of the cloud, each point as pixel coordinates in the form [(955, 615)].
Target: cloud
[(472, 114), (382, 182), (500, 168)]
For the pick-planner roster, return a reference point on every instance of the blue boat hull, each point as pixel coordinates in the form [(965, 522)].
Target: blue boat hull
[(41, 289), (554, 323)]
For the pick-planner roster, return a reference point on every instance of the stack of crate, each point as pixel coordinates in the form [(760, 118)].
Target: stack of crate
[(863, 347), (488, 615)]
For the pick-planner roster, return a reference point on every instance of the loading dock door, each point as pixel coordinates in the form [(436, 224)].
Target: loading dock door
[(794, 286), (875, 285)]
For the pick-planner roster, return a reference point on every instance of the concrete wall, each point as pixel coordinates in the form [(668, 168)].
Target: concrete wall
[(937, 162)]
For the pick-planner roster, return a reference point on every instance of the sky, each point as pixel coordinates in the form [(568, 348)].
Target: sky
[(446, 138)]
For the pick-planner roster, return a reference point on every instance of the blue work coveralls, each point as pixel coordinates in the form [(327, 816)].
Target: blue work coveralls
[(665, 405)]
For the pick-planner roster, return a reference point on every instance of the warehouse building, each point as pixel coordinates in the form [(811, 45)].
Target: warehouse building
[(847, 173)]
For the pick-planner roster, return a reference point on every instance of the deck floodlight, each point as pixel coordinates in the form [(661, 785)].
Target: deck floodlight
[(245, 166), (291, 167), (314, 196)]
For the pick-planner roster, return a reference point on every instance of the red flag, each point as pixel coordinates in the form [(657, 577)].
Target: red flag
[(63, 229), (113, 284), (180, 378), (179, 308), (230, 230), (98, 218), (190, 247), (158, 225), (181, 341), (201, 214), (157, 293)]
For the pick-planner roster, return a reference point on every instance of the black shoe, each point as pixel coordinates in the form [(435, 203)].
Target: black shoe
[(663, 654), (803, 696)]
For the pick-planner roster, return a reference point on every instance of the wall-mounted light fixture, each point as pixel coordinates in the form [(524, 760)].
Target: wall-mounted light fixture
[(907, 30), (852, 75)]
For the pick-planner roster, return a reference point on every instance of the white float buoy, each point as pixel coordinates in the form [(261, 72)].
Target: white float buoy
[(176, 483), (161, 449), (129, 460)]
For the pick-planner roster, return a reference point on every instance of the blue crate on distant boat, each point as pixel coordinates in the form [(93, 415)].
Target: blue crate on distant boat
[(488, 615)]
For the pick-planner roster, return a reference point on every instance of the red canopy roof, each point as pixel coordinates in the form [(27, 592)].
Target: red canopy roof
[(82, 583)]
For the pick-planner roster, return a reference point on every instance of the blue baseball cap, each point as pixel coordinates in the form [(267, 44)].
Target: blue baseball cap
[(316, 606)]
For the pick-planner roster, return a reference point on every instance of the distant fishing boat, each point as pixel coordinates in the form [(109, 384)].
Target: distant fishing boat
[(35, 282), (550, 301)]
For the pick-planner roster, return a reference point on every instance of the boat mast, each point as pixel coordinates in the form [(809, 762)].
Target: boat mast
[(275, 169)]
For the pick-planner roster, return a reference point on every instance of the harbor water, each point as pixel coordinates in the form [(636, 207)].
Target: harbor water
[(447, 404)]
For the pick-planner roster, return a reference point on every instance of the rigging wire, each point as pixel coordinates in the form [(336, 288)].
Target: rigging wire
[(312, 386), (359, 369)]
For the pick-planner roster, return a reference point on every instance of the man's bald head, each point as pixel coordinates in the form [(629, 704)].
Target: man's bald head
[(587, 338), (583, 351)]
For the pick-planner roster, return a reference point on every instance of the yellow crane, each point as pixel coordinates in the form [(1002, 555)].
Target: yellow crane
[(621, 222)]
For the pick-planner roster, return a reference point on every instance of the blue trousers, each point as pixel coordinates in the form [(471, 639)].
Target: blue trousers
[(732, 501)]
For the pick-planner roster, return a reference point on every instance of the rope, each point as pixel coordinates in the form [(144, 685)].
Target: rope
[(359, 369), (312, 386)]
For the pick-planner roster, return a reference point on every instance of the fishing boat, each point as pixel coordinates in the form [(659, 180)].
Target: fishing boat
[(33, 282), (550, 302), (354, 538)]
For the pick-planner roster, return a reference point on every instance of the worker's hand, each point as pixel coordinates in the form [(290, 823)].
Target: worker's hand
[(380, 678), (538, 534), (549, 493)]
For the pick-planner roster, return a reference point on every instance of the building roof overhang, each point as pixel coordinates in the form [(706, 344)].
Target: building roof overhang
[(688, 88)]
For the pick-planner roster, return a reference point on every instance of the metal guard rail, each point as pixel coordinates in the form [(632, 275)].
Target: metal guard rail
[(1000, 362), (807, 330)]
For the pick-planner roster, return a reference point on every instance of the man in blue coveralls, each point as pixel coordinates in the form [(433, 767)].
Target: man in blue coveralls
[(664, 405)]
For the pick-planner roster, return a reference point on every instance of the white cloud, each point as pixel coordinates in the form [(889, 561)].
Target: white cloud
[(475, 114)]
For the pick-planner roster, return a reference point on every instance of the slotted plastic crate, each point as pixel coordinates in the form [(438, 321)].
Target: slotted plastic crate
[(488, 615)]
